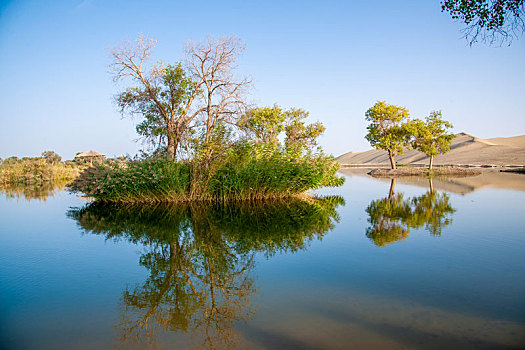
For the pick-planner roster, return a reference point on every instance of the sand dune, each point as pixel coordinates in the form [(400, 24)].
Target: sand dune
[(465, 149)]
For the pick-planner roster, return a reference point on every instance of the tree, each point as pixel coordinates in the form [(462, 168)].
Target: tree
[(264, 123), (212, 65), (430, 137), (51, 157), (386, 130), (298, 134), (162, 95), (488, 20)]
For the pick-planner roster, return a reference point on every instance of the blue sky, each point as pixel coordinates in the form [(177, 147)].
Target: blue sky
[(332, 58)]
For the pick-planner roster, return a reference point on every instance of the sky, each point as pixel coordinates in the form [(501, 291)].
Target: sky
[(334, 59)]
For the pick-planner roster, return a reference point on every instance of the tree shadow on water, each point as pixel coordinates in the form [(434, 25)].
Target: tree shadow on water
[(200, 258), (392, 218)]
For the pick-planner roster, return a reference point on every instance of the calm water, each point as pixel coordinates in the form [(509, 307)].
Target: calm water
[(373, 264)]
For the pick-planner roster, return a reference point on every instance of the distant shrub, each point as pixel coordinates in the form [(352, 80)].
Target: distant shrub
[(35, 170)]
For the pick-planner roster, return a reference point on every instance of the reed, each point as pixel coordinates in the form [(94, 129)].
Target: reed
[(36, 171), (242, 173)]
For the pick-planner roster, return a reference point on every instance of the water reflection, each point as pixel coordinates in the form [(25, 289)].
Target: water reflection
[(391, 218), (38, 192), (200, 259)]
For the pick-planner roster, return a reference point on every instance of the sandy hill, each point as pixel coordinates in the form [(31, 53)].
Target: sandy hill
[(464, 150)]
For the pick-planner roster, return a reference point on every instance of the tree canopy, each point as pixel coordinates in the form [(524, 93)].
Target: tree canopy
[(265, 123), (430, 136), (488, 20), (386, 129)]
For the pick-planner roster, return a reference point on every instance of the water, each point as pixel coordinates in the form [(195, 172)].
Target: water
[(414, 265)]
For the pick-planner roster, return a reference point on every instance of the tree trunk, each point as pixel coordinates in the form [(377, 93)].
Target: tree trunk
[(392, 160), (431, 161), (208, 133), (209, 120), (172, 146)]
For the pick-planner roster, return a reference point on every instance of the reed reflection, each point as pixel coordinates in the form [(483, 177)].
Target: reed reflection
[(392, 218), (39, 191), (200, 259)]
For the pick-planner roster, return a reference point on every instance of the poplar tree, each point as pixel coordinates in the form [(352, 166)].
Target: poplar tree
[(430, 136), (387, 128)]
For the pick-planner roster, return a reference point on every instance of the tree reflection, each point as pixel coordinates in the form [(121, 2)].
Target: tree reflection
[(392, 218), (200, 257)]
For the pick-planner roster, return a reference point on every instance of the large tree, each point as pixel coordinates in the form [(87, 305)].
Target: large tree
[(161, 94), (488, 20), (212, 65), (430, 136), (386, 130)]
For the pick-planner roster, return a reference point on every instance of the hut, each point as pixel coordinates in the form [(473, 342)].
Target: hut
[(91, 157)]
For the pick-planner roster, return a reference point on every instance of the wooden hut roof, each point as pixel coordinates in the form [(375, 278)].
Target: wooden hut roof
[(89, 154)]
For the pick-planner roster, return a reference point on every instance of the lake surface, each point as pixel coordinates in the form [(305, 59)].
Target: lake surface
[(370, 265)]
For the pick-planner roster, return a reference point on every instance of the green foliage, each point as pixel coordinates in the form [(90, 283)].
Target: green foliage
[(264, 124), (162, 104), (488, 20), (251, 171), (387, 129), (146, 180), (300, 136), (430, 137)]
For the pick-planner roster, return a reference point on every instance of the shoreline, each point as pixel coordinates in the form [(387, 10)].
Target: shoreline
[(424, 172), (462, 166)]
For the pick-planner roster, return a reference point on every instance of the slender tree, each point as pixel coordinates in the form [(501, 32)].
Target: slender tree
[(386, 130), (430, 136), (162, 94), (211, 65)]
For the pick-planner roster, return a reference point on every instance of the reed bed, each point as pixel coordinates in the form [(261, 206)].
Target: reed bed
[(36, 171), (240, 174)]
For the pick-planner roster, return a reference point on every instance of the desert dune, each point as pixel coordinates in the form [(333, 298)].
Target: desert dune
[(465, 150)]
